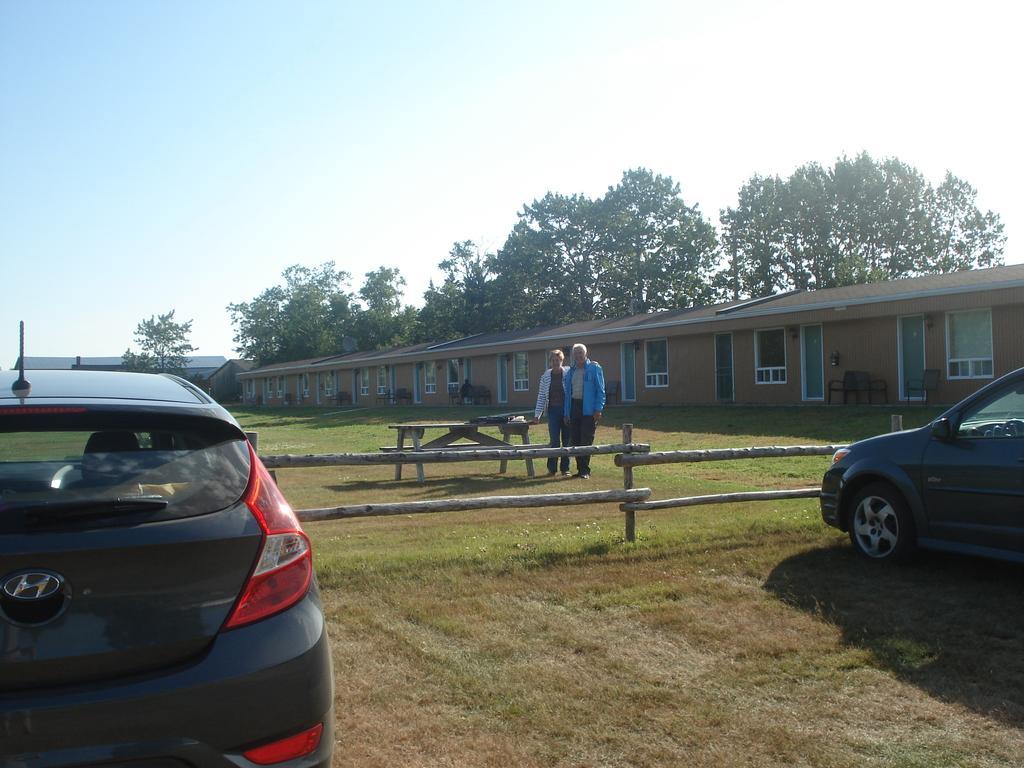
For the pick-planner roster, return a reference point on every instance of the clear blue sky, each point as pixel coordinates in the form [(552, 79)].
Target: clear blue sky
[(179, 155)]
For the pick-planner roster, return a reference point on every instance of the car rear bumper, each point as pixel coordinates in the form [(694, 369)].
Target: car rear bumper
[(829, 499), (254, 684)]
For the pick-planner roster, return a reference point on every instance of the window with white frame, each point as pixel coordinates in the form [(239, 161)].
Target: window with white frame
[(430, 377), (305, 385), (656, 362), (969, 344), (280, 386), (267, 393), (520, 372), (328, 382), (250, 387), (770, 356), (382, 379), (364, 382), (453, 375)]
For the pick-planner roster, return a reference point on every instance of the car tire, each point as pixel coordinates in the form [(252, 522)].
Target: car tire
[(881, 526)]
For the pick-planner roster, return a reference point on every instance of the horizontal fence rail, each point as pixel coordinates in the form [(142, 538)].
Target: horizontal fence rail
[(479, 502), (289, 461), (628, 455), (722, 498), (724, 454)]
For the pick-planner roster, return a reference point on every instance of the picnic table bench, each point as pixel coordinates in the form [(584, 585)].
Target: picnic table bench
[(477, 395), (459, 430)]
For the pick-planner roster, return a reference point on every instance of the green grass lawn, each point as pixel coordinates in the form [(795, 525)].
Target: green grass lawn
[(730, 635)]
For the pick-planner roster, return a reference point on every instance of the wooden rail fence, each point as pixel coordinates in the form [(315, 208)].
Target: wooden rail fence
[(479, 502), (285, 461), (627, 456)]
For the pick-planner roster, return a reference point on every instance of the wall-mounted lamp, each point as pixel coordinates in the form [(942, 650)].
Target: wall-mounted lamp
[(929, 321), (636, 346), (833, 359), (794, 332)]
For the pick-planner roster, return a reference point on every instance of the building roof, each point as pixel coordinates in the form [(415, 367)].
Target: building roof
[(67, 363), (242, 365), (993, 278)]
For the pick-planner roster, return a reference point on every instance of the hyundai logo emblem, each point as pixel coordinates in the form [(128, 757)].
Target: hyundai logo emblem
[(32, 585)]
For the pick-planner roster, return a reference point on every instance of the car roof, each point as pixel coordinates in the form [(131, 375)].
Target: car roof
[(114, 390)]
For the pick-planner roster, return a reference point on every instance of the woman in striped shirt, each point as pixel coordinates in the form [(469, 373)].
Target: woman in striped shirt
[(551, 398)]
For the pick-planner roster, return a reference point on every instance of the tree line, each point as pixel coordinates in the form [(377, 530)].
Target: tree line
[(640, 248)]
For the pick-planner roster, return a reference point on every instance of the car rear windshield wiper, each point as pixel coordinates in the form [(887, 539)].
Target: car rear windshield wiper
[(78, 510)]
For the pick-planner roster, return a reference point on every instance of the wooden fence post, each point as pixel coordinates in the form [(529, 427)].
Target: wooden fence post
[(627, 484), (896, 423), (254, 440)]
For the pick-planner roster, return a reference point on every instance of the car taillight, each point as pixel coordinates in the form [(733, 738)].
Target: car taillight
[(299, 745), (285, 565)]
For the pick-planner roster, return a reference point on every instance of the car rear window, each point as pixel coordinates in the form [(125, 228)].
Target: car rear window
[(117, 471)]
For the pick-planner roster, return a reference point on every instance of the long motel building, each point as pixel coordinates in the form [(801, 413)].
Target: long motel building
[(952, 332)]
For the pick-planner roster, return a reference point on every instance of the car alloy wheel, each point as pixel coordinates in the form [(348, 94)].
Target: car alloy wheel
[(880, 526)]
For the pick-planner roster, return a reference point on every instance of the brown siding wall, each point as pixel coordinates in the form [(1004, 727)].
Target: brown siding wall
[(864, 336)]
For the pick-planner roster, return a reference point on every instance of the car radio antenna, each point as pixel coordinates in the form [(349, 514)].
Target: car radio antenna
[(21, 387)]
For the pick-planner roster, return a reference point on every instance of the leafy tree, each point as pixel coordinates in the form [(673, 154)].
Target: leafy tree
[(467, 302), (308, 316), (658, 252), (382, 321), (639, 248), (164, 346), (752, 235), (860, 221), (552, 264), (964, 237)]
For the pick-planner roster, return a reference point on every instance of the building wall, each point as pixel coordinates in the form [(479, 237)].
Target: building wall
[(864, 337)]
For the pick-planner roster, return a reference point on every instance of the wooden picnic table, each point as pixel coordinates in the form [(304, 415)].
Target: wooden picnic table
[(461, 430)]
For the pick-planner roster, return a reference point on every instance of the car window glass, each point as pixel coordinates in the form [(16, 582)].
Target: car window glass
[(999, 416), (186, 471)]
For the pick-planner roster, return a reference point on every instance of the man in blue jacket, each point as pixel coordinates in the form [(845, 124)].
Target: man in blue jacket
[(584, 403)]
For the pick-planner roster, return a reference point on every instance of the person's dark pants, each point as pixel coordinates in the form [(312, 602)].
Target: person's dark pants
[(559, 434), (581, 430)]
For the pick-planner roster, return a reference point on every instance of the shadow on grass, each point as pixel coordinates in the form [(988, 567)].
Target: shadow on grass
[(950, 625)]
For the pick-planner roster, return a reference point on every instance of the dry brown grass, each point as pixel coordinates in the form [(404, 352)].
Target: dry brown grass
[(725, 654), (738, 635)]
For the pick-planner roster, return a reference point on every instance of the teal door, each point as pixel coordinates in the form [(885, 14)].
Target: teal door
[(502, 379), (911, 339), (723, 367), (417, 386), (813, 365), (628, 372)]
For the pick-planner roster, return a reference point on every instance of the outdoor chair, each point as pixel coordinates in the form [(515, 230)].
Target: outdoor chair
[(857, 382), (403, 395), (929, 382), (611, 389)]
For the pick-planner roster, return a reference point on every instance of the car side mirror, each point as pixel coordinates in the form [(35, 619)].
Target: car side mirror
[(942, 429)]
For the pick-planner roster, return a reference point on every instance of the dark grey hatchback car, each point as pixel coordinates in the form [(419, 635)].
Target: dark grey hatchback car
[(955, 485), (157, 601)]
